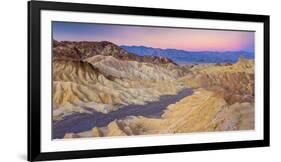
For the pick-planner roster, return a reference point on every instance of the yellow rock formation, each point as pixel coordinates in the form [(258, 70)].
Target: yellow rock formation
[(235, 82), (222, 101), (80, 87), (203, 111)]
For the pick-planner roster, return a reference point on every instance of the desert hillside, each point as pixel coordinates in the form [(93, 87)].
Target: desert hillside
[(234, 81), (203, 111), (103, 82), (100, 77)]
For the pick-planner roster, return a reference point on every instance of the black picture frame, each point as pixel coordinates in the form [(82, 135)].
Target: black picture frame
[(34, 80)]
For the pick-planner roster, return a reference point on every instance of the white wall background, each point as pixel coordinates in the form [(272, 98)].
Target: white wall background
[(13, 79)]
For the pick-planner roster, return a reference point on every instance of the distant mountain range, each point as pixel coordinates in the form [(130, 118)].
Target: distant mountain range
[(182, 56)]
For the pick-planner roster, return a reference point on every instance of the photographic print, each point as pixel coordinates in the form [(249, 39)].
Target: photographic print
[(116, 80), (113, 80)]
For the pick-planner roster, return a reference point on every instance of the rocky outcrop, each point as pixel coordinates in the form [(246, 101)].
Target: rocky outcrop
[(83, 87), (83, 50), (234, 81), (133, 70)]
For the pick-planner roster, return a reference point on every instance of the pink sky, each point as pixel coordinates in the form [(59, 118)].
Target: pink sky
[(157, 37)]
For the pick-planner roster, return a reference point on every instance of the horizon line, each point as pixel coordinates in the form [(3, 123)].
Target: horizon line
[(154, 47)]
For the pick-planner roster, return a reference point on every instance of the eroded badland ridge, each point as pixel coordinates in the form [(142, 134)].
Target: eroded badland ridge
[(105, 82), (91, 77)]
